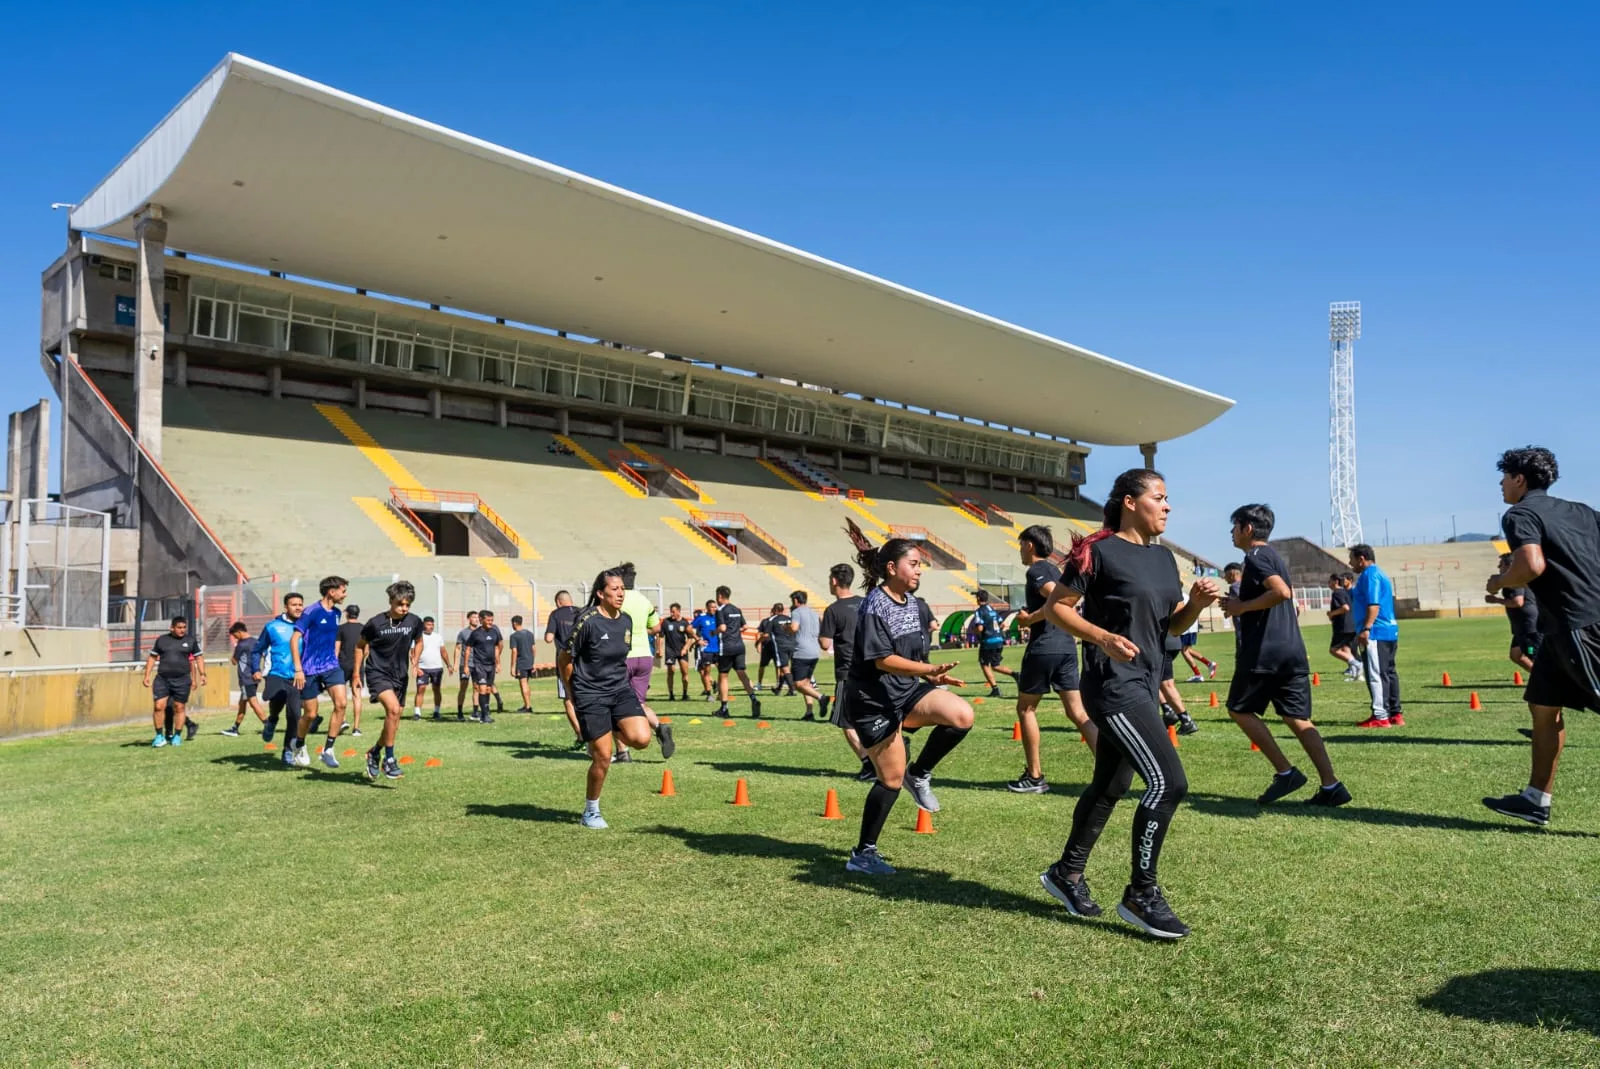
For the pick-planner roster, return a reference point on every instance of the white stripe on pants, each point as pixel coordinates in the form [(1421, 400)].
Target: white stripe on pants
[(1375, 680)]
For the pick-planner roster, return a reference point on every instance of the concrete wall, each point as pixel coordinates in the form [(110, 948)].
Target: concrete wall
[(28, 647), (41, 703)]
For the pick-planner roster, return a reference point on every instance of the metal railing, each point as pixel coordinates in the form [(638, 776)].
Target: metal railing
[(408, 495), (922, 534)]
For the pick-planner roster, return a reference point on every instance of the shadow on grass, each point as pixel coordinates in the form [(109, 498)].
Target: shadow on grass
[(821, 866), (1224, 806), (1555, 999), (272, 762), (1389, 738), (737, 767), (527, 751), (519, 811)]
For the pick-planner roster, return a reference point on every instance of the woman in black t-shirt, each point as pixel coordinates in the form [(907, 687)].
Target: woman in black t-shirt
[(1131, 599), (892, 685), (595, 674)]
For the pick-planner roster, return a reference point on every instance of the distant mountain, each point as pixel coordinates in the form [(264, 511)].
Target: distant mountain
[(1473, 538)]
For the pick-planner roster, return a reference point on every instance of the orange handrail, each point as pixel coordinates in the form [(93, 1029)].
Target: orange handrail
[(627, 471), (900, 530), (739, 519), (406, 494), (404, 512)]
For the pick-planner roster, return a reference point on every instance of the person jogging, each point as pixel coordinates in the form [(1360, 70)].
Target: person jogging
[(433, 661), (708, 646), (522, 642), (1272, 667), (1377, 636), (990, 634), (485, 646), (1555, 552), (678, 640), (247, 663), (1190, 641), (807, 651), (893, 688), (1049, 662), (1522, 613), (838, 634), (464, 664), (596, 671), (781, 628), (1131, 597), (558, 631), (349, 637), (1173, 712), (277, 685), (314, 648), (387, 651), (730, 656), (1342, 644), (170, 670)]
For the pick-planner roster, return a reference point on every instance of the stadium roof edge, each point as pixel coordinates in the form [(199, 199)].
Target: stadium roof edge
[(261, 166)]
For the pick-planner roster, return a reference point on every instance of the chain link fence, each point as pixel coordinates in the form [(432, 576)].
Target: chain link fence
[(58, 565)]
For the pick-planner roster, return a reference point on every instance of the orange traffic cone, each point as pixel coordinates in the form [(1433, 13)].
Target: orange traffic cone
[(741, 793), (667, 789), (924, 822), (1016, 731), (1474, 703), (1254, 748), (1172, 733), (1445, 682), (1316, 679), (1213, 702), (1516, 679), (830, 806)]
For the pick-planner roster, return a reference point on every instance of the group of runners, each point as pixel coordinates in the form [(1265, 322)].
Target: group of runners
[(1117, 596)]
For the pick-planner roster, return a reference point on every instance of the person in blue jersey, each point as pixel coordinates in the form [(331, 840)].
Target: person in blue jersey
[(705, 629), (247, 662), (275, 672), (1377, 636), (314, 647), (990, 632)]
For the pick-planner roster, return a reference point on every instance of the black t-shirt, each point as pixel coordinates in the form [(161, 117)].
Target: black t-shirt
[(839, 628), (1269, 639), (674, 635), (764, 632), (782, 637), (1131, 590), (482, 642), (521, 642), (730, 617), (599, 646), (1526, 617), (389, 643), (1569, 535), (349, 635), (884, 627), (559, 625), (1344, 623), (1043, 637), (172, 654)]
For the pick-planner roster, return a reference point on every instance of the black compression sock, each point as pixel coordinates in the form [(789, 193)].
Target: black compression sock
[(166, 719), (880, 800), (940, 742)]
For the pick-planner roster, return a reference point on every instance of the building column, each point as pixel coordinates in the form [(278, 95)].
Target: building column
[(764, 455), (502, 412), (722, 443), (360, 386), (872, 464), (150, 333), (1148, 451), (436, 404), (838, 460), (275, 381), (621, 431), (563, 423), (180, 367)]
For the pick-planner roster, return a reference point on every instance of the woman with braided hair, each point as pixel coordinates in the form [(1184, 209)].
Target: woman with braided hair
[(892, 686), (1131, 598)]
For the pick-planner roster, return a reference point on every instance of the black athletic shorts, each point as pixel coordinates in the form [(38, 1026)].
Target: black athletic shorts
[(1288, 692), (1044, 672), (706, 660), (802, 668), (429, 676), (599, 717), (522, 673), (1526, 641), (731, 662), (767, 654), (874, 723), (1567, 673), (248, 688), (378, 682), (668, 658), (1341, 640), (839, 715), (1167, 658), (989, 656), (482, 677), (276, 686), (173, 688)]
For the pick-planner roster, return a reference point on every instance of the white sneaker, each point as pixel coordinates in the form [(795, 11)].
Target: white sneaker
[(329, 760), (1194, 679), (594, 820), (302, 758), (416, 714), (921, 788)]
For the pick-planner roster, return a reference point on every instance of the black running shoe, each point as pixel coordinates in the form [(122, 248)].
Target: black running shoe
[(487, 719), (868, 774), (994, 691), (1281, 785), (1026, 784), (190, 730), (268, 728), (316, 726), (622, 757), (1186, 724), (1331, 797), (755, 707), (1072, 894), (808, 716), (1517, 805), (822, 706), (1168, 717), (664, 736), (1148, 911)]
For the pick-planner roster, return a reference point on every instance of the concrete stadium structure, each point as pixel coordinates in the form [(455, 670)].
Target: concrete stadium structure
[(295, 332)]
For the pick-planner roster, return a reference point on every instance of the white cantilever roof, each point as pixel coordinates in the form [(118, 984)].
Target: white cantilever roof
[(260, 166)]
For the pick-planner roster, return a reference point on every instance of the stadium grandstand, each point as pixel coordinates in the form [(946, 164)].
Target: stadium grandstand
[(295, 333)]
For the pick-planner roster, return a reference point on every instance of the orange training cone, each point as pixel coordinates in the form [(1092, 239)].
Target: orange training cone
[(1474, 703), (830, 806), (924, 822), (727, 723), (432, 762), (1016, 731), (1445, 681), (666, 719), (741, 793), (1172, 733), (1516, 679), (667, 789), (407, 760), (348, 753), (977, 701), (1316, 679), (1213, 699), (1254, 748), (271, 746), (763, 724)]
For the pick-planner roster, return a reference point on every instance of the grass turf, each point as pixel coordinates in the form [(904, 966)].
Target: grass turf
[(204, 906)]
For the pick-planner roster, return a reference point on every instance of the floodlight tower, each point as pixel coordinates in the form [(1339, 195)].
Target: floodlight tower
[(1344, 327)]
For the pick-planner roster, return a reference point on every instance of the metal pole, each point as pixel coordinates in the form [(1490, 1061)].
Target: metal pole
[(533, 601), (198, 626), (22, 565), (105, 569)]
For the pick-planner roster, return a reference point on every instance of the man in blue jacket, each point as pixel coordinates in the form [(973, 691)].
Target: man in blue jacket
[(1377, 636), (278, 672)]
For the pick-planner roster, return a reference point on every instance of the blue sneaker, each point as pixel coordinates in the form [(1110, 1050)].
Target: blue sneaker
[(176, 740), (160, 741), (269, 727)]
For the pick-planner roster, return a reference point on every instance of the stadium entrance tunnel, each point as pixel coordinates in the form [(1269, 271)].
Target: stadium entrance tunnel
[(453, 523)]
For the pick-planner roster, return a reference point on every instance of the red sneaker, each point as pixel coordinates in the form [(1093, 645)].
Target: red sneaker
[(1397, 721), (1373, 722)]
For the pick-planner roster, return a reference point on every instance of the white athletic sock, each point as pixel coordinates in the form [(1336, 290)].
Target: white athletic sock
[(1536, 796), (591, 807)]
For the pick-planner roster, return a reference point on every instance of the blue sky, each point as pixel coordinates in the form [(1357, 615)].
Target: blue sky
[(1183, 186)]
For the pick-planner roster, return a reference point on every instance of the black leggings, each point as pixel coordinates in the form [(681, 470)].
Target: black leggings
[(1133, 740)]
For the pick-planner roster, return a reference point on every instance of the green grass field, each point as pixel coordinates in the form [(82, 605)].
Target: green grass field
[(205, 907)]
